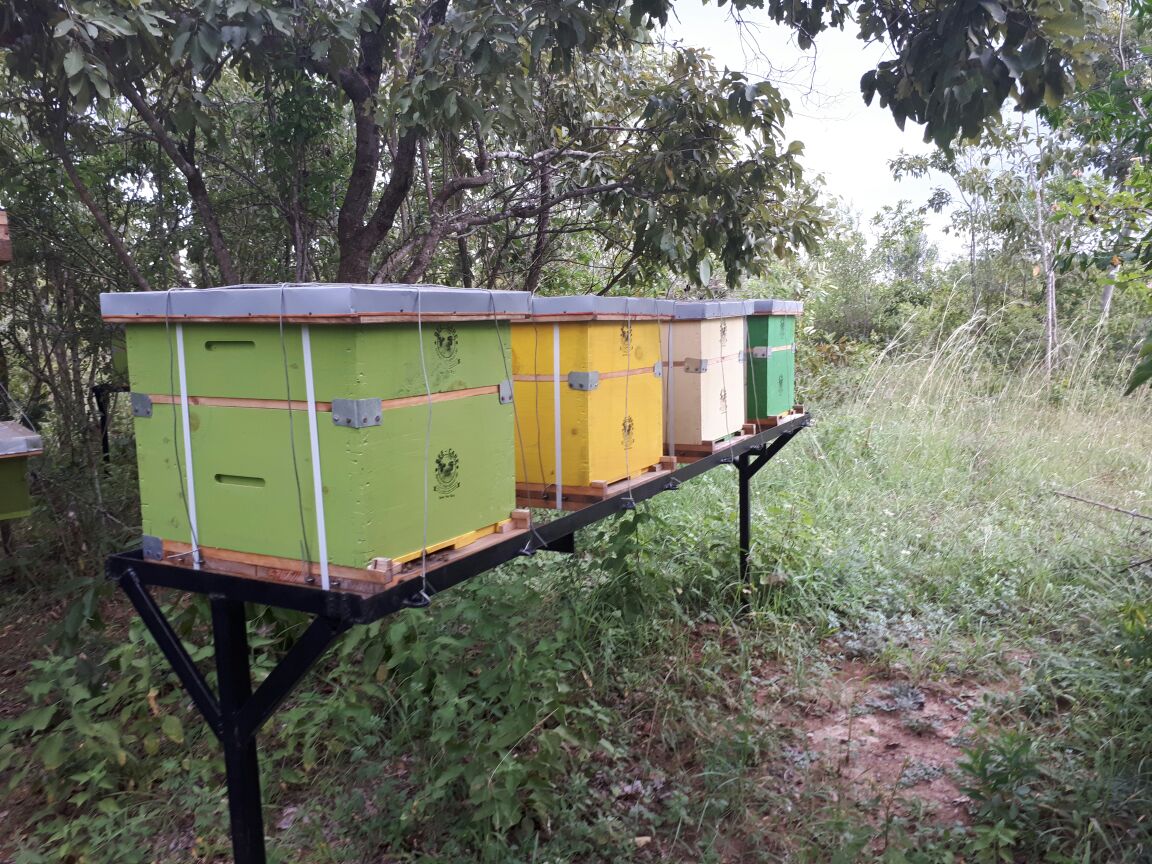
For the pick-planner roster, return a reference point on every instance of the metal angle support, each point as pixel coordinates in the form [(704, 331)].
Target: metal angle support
[(293, 666), (173, 649), (356, 413)]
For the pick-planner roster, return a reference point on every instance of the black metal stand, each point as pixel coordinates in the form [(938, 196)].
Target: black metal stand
[(236, 715)]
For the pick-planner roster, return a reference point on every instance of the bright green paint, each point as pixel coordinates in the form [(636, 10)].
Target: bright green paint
[(771, 381), (249, 361), (247, 498), (15, 502)]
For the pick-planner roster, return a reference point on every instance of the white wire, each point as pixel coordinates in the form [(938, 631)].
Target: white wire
[(627, 384), (557, 435), (314, 445), (186, 422), (176, 427), (305, 551), (427, 441)]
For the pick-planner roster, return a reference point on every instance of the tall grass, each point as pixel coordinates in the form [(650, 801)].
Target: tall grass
[(562, 708)]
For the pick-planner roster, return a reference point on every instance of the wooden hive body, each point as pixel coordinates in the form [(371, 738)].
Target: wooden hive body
[(17, 445), (5, 240), (771, 389), (704, 390), (252, 448), (609, 432)]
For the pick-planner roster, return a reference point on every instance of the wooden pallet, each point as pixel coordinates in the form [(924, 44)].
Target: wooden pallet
[(776, 420), (692, 452), (578, 497), (381, 573)]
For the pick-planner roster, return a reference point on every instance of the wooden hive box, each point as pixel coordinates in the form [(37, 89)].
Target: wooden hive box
[(771, 390), (5, 247), (17, 445), (703, 348), (236, 369), (5, 240), (588, 397)]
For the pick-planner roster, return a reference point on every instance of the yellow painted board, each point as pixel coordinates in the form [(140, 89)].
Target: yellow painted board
[(703, 406), (606, 433)]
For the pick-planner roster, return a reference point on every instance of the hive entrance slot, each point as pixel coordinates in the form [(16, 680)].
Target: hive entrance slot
[(228, 344), (239, 480)]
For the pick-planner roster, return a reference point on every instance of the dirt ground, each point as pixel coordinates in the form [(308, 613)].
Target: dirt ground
[(885, 738)]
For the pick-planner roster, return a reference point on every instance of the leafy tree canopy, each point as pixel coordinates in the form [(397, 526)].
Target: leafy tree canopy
[(481, 141)]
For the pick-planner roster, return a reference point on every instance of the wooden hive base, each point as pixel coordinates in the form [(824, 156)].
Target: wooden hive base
[(777, 419), (692, 452), (381, 573), (578, 497)]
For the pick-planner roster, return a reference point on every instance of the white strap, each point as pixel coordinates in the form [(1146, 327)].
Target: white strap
[(670, 393), (186, 422), (556, 414), (314, 445)]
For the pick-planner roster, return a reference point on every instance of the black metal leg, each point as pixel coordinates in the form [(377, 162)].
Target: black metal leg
[(745, 479), (746, 469), (172, 648), (230, 629), (239, 713)]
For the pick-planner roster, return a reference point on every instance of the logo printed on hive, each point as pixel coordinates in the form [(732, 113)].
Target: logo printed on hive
[(628, 433), (626, 337), (723, 333), (447, 473), (447, 341), (724, 400)]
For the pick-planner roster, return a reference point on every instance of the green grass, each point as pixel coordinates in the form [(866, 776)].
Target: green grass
[(614, 706)]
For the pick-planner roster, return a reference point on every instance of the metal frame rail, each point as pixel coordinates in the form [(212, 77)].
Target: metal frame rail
[(236, 714)]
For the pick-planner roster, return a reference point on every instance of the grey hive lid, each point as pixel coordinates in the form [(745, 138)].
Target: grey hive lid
[(17, 440), (700, 310), (590, 305), (314, 299), (775, 307)]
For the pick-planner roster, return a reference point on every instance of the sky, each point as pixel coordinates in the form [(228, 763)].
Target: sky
[(846, 141)]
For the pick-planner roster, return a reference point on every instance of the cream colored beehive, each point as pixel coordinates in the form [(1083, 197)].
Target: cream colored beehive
[(703, 348)]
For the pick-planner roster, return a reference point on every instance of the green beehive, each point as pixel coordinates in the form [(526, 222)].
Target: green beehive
[(771, 379), (17, 445), (371, 422)]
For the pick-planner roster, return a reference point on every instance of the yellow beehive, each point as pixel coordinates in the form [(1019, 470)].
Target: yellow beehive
[(703, 348), (588, 396)]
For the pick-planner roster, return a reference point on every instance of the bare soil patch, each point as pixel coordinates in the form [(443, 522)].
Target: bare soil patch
[(886, 738)]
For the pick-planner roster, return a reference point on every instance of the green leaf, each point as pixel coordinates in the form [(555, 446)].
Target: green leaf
[(63, 27), (995, 10), (73, 62), (1142, 374), (173, 728), (38, 719), (52, 752)]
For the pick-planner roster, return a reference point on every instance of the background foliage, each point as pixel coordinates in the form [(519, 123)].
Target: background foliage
[(609, 706)]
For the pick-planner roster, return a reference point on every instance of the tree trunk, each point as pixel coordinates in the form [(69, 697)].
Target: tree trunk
[(195, 182), (110, 233), (1049, 266), (540, 247)]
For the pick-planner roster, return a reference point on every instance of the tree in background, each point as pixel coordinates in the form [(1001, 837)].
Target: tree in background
[(458, 116)]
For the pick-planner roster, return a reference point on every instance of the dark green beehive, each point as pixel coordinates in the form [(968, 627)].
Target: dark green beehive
[(17, 445), (771, 381)]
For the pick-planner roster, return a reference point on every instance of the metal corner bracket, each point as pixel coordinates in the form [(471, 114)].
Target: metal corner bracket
[(583, 380), (141, 404), (356, 413)]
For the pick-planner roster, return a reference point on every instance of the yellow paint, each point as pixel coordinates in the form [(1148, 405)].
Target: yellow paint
[(608, 433)]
